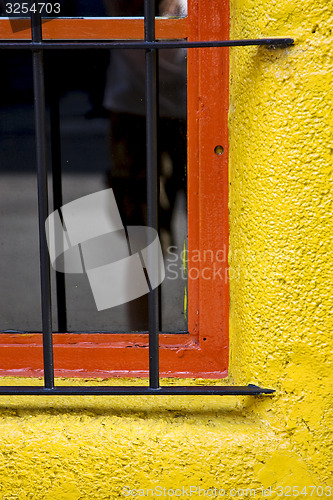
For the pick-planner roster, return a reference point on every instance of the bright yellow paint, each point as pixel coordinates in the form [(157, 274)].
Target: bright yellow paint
[(92, 447), (281, 232), (281, 273)]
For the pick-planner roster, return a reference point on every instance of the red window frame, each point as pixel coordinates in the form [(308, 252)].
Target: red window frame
[(203, 352)]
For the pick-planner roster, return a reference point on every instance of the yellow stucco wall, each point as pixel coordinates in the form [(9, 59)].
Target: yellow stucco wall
[(281, 232), (280, 256)]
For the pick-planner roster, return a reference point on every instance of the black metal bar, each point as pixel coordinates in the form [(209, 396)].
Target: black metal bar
[(41, 149), (250, 390), (149, 20), (82, 332), (57, 196), (151, 46), (146, 44), (152, 185)]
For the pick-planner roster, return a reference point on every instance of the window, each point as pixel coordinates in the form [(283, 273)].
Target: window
[(203, 350)]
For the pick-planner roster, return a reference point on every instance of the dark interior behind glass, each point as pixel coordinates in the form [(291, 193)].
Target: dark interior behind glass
[(91, 136)]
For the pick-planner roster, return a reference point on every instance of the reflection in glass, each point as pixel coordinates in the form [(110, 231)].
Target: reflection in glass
[(125, 99), (102, 129), (19, 247)]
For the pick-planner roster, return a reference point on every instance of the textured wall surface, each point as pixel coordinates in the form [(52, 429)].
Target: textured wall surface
[(281, 232), (281, 272), (94, 447)]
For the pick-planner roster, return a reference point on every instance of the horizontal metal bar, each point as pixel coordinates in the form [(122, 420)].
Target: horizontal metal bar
[(142, 44), (200, 390), (102, 332)]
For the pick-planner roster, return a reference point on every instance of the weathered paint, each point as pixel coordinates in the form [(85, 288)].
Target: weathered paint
[(280, 256)]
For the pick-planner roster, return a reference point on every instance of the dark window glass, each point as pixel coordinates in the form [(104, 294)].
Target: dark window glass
[(102, 131)]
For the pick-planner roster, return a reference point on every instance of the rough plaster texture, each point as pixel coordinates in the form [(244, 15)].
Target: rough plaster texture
[(281, 234), (281, 273), (92, 447)]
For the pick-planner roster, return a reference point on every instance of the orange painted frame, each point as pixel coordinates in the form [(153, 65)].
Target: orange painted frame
[(203, 352)]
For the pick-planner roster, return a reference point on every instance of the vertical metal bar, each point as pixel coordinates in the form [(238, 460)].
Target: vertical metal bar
[(152, 183), (41, 149), (57, 196)]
